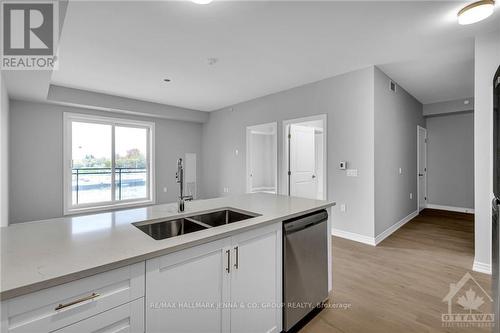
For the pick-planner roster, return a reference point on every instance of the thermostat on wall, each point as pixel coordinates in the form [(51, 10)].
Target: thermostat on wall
[(342, 165)]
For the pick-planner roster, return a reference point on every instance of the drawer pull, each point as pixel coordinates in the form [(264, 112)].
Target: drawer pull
[(228, 269), (237, 255), (83, 299)]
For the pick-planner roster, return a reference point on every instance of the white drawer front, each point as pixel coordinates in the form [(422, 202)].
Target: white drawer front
[(37, 312), (127, 318)]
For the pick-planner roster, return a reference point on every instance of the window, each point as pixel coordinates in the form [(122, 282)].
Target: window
[(108, 163)]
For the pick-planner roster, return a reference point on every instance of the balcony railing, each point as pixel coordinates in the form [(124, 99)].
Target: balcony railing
[(99, 179)]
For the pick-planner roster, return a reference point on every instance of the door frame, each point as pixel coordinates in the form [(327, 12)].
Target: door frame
[(286, 152), (274, 125), (420, 128)]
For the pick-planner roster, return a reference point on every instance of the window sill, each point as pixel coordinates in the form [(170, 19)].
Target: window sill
[(94, 209)]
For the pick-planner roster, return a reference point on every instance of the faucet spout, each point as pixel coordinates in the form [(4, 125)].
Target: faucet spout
[(180, 180)]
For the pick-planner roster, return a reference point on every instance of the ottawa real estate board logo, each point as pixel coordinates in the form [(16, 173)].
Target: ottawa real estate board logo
[(469, 305), (30, 31)]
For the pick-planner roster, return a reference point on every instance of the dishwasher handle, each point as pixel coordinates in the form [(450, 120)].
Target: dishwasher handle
[(304, 222)]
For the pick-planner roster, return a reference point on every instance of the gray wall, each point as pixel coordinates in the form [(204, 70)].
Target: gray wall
[(453, 106), (486, 62), (4, 154), (105, 102), (450, 160), (397, 115), (36, 145), (346, 99)]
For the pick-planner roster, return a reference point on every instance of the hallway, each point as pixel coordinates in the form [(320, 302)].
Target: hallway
[(399, 285)]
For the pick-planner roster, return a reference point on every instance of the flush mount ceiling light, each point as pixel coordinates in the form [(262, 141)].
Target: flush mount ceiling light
[(202, 2), (476, 12)]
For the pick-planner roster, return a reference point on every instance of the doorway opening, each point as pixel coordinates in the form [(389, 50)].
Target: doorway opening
[(304, 157), (421, 168), (262, 158)]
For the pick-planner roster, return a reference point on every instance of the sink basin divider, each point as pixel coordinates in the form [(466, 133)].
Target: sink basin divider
[(198, 222)]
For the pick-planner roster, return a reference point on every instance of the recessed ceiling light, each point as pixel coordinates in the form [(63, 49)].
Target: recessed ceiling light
[(202, 2), (476, 12)]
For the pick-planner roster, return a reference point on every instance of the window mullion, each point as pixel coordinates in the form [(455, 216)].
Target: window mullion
[(113, 162)]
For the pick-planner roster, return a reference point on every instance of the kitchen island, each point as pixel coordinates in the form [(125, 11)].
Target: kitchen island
[(103, 261)]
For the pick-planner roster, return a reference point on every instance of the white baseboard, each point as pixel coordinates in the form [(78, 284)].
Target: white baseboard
[(481, 267), (389, 231), (354, 237), (451, 208), (373, 241)]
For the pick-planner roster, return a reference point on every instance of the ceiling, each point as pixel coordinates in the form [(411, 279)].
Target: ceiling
[(127, 48)]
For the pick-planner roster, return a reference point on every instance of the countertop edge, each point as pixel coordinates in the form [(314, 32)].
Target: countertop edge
[(52, 282)]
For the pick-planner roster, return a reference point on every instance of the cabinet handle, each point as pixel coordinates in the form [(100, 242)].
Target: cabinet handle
[(228, 268), (237, 261), (83, 299)]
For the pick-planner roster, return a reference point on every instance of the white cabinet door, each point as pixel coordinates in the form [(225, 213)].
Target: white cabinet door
[(127, 318), (185, 290), (256, 281)]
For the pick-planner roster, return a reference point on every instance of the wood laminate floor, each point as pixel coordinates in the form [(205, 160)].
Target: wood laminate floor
[(399, 285)]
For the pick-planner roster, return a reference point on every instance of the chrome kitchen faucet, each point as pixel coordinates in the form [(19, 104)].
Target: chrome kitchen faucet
[(180, 180)]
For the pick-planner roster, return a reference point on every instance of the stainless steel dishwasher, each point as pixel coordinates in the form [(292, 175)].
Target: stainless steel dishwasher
[(305, 266)]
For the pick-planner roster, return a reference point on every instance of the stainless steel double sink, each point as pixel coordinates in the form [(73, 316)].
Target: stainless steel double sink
[(184, 225)]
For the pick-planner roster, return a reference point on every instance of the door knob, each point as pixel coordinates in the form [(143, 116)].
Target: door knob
[(314, 176), (420, 174)]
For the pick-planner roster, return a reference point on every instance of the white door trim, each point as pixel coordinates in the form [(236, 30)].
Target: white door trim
[(284, 165), (274, 125), (420, 128)]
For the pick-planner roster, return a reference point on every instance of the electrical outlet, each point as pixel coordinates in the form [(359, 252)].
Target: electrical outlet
[(226, 189), (411, 196), (400, 171), (165, 189), (342, 208), (236, 152)]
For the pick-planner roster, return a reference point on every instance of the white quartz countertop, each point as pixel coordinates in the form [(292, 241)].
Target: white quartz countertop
[(42, 254)]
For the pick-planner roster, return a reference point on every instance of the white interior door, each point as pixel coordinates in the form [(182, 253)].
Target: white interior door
[(303, 180), (422, 167)]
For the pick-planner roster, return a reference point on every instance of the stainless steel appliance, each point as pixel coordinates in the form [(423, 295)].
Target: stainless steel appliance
[(305, 267), (495, 256)]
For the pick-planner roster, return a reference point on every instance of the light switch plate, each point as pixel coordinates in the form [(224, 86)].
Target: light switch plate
[(342, 208)]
